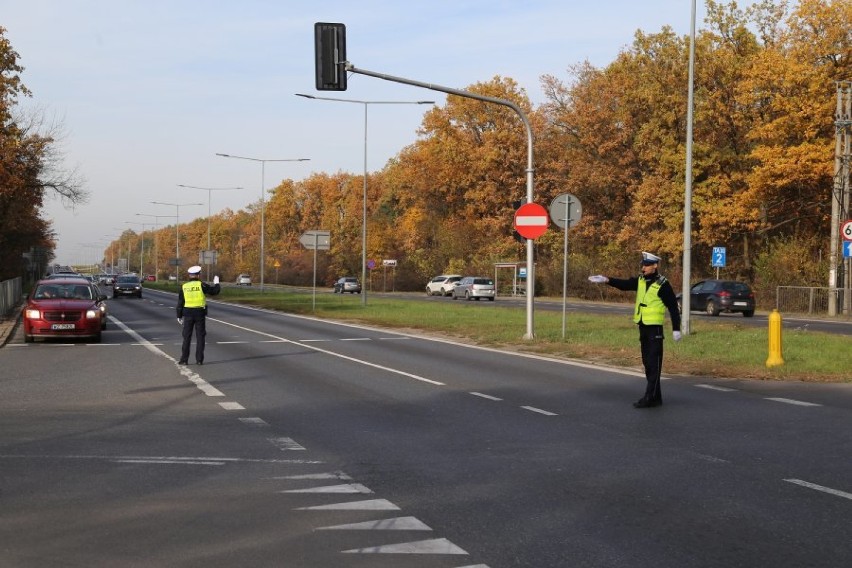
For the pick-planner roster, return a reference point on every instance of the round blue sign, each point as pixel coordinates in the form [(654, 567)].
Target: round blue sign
[(371, 264)]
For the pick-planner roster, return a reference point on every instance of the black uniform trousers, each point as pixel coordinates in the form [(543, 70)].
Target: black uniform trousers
[(194, 319), (651, 340)]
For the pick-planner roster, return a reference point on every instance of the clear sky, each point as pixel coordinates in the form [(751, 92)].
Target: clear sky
[(149, 91)]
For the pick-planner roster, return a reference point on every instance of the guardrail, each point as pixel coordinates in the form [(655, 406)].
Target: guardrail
[(811, 300), (10, 295)]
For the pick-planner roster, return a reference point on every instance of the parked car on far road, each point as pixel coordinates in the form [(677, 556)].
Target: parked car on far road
[(243, 280), (474, 288), (442, 284), (347, 284), (716, 296)]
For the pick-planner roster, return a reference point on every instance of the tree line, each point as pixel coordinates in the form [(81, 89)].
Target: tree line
[(614, 136)]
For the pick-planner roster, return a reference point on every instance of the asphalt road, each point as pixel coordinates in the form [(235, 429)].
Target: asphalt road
[(304, 443)]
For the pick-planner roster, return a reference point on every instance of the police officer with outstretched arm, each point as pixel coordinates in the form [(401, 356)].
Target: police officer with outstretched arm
[(192, 312), (654, 294)]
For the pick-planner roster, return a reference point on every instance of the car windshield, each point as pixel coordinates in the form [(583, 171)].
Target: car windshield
[(128, 280), (738, 287), (486, 281), (63, 291)]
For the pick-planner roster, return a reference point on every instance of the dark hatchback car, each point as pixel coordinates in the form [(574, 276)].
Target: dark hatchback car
[(127, 285), (716, 296), (64, 308)]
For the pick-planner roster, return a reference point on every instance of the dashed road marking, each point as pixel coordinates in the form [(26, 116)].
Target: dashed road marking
[(366, 505), (715, 388), (329, 475), (488, 396), (822, 488), (232, 406), (254, 421), (432, 546), (539, 410), (792, 401), (340, 488), (395, 524), (286, 444)]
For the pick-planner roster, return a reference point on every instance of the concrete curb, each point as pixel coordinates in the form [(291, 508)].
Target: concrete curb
[(8, 323)]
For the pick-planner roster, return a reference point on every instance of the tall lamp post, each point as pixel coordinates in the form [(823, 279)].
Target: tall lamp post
[(141, 246), (177, 207), (156, 248), (364, 204), (210, 191), (262, 199)]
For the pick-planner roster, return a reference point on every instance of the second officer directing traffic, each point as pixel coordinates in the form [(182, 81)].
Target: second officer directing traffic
[(192, 312)]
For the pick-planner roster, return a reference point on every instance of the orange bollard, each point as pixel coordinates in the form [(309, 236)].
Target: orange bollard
[(775, 358)]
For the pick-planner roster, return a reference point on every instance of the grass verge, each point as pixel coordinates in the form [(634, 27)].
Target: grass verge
[(714, 348)]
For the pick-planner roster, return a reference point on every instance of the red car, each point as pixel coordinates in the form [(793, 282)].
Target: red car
[(64, 308)]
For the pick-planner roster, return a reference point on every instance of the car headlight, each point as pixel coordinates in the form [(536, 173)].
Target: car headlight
[(92, 313), (103, 309), (32, 314)]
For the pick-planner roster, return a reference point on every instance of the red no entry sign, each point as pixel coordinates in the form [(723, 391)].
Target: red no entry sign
[(531, 220)]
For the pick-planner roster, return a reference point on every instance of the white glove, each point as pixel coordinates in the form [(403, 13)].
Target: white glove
[(215, 280), (598, 279), (180, 321), (676, 335)]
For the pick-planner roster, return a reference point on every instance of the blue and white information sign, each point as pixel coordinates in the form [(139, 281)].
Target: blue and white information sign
[(719, 256), (847, 249)]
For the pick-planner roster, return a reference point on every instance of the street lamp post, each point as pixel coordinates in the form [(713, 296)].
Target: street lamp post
[(156, 247), (177, 207), (262, 199), (210, 191), (141, 247), (364, 204)]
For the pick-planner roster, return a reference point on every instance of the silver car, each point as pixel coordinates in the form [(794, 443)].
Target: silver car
[(475, 287), (442, 285)]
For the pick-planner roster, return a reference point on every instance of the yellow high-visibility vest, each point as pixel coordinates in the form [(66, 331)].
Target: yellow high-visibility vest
[(650, 309), (193, 296)]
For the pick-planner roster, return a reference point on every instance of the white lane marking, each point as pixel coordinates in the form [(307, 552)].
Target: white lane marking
[(394, 524), (341, 488), (182, 462), (540, 411), (286, 444), (432, 546), (822, 488), (354, 339), (232, 406), (366, 505), (711, 459), (229, 342), (174, 458), (715, 388), (792, 401), (393, 338), (333, 354), (101, 344), (254, 421), (488, 396), (314, 340), (330, 475), (193, 377), (475, 566)]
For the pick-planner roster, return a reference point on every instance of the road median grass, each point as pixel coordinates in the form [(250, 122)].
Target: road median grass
[(714, 348)]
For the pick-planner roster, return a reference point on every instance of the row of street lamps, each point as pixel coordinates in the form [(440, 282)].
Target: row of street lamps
[(263, 162)]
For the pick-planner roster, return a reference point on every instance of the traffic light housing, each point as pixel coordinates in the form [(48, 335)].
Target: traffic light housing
[(330, 53)]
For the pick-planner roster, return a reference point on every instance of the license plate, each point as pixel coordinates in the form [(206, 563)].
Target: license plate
[(740, 303), (58, 326)]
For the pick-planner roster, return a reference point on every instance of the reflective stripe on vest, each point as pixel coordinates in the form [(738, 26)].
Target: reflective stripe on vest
[(193, 297), (650, 309)]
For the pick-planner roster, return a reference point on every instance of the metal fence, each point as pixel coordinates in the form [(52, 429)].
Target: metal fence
[(10, 295), (811, 300)]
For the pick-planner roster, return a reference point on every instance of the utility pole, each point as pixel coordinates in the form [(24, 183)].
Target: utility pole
[(840, 199)]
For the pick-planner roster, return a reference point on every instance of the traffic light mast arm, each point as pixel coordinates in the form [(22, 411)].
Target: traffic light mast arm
[(530, 334)]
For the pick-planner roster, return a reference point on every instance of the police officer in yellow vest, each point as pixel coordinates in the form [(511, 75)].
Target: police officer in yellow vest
[(654, 294), (192, 312)]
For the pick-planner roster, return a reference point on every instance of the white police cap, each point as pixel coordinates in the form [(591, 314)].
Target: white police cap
[(649, 258), (194, 269)]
